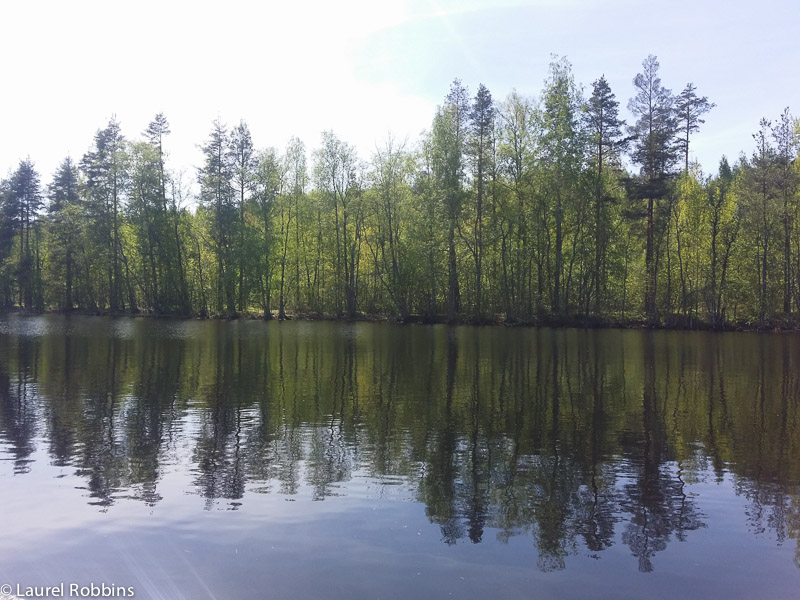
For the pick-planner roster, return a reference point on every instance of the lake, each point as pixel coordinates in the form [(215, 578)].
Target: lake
[(213, 459)]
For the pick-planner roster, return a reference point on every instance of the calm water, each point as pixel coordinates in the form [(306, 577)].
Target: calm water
[(201, 459)]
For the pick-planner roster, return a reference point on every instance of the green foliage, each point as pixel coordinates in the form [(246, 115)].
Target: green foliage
[(520, 209)]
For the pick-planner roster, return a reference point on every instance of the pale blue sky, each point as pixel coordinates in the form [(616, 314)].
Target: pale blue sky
[(364, 68)]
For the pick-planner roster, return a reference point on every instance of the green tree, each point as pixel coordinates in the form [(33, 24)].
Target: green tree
[(517, 137), (604, 128), (65, 222), (155, 133), (429, 223), (689, 108), (690, 220), (338, 177), (297, 182), (723, 220), (241, 155), (270, 199), (7, 236), (654, 150), (390, 177), (479, 149), (217, 196), (171, 245), (449, 138), (105, 168), (786, 183), (762, 213), (25, 202), (145, 214), (562, 162)]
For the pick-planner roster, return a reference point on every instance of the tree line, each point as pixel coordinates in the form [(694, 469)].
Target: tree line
[(547, 209)]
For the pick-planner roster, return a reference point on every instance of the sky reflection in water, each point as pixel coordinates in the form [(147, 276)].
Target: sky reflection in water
[(212, 459)]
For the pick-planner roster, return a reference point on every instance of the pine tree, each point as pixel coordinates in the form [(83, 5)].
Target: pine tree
[(105, 168), (155, 133), (174, 286), (724, 221), (26, 202), (562, 160), (606, 140), (217, 196), (449, 137), (242, 160), (7, 236), (480, 150), (654, 150), (64, 217), (689, 107)]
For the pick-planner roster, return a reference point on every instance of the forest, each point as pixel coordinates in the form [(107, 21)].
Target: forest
[(527, 210)]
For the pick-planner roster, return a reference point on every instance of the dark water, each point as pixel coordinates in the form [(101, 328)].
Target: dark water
[(322, 460)]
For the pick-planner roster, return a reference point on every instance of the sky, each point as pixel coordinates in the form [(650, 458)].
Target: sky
[(366, 68)]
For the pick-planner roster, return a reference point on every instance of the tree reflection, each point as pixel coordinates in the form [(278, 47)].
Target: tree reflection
[(769, 483), (599, 496), (18, 408), (576, 439), (103, 450), (218, 448), (655, 499), (439, 486)]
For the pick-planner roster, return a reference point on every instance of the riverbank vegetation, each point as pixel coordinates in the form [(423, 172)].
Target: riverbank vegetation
[(547, 209)]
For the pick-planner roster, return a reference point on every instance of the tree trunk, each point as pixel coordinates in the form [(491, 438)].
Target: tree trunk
[(650, 282), (453, 293)]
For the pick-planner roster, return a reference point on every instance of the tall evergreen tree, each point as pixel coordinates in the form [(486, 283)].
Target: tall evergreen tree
[(172, 246), (25, 203), (217, 195), (242, 159), (147, 217), (604, 128), (654, 150), (724, 221), (65, 218), (689, 108), (562, 158), (449, 137), (106, 177), (480, 150), (8, 214), (155, 133)]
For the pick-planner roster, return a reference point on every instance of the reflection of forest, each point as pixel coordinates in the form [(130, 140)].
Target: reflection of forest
[(575, 438)]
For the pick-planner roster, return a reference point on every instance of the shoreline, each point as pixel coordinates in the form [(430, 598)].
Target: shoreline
[(551, 321)]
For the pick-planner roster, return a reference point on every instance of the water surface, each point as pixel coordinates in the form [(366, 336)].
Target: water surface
[(208, 459)]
